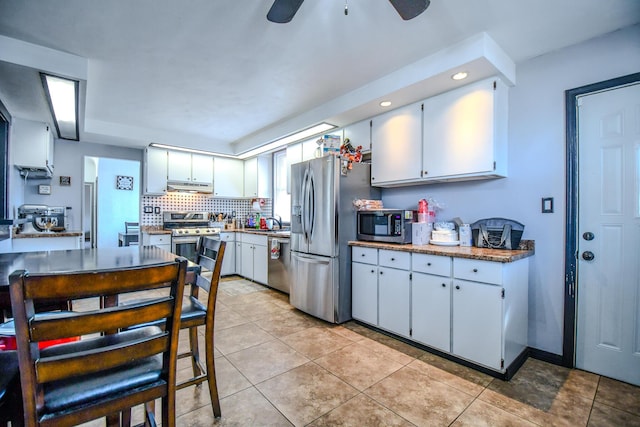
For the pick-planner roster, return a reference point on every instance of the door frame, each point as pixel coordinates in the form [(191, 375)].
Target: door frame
[(571, 242)]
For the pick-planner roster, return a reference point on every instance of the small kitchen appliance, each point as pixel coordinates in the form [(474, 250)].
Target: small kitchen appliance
[(186, 229), (42, 218), (385, 225)]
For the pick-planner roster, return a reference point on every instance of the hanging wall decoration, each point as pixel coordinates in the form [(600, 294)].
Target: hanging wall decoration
[(124, 182)]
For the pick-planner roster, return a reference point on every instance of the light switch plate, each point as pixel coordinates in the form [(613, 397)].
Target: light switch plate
[(547, 205)]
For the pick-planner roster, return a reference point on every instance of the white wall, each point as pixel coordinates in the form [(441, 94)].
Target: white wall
[(536, 168)]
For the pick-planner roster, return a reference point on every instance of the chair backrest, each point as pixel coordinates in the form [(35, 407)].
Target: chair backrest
[(103, 349), (131, 227), (209, 257)]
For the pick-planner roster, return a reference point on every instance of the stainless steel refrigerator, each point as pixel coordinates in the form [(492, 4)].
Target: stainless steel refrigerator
[(323, 220)]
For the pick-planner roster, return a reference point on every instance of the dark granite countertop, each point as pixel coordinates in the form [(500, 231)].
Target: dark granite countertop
[(66, 233), (526, 249)]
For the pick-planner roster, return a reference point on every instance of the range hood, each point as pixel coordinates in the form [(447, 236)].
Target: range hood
[(190, 187), (31, 172)]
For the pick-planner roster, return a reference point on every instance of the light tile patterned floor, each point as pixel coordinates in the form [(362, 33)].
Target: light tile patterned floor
[(277, 366)]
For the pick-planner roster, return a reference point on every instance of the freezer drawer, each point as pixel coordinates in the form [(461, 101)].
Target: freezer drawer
[(313, 285)]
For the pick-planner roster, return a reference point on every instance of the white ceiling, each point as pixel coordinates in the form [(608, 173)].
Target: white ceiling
[(216, 75)]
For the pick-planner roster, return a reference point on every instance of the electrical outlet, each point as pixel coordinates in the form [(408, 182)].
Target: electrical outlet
[(547, 205)]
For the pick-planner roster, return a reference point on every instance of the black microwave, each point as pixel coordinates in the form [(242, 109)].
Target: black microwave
[(385, 225)]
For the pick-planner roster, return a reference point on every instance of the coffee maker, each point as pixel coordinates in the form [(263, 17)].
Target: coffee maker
[(42, 218)]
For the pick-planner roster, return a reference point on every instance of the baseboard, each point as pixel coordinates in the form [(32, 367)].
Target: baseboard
[(546, 356)]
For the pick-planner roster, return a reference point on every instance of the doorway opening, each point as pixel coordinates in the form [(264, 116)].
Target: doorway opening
[(111, 197)]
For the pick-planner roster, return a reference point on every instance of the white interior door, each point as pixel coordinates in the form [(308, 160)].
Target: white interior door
[(608, 309)]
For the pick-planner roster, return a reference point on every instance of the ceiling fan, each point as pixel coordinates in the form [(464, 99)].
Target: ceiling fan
[(282, 11)]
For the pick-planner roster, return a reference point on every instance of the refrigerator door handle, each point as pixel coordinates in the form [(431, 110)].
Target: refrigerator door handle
[(312, 205), (303, 216)]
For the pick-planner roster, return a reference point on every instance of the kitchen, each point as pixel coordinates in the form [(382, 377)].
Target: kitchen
[(536, 165)]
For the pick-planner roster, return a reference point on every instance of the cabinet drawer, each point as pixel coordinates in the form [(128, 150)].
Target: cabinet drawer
[(228, 237), (477, 271), (432, 264), (364, 255), (394, 259), (254, 239), (159, 239)]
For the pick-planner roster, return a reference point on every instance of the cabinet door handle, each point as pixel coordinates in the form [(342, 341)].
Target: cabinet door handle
[(381, 273), (361, 254), (475, 270), (444, 285), (393, 259), (428, 264), (373, 271), (458, 287)]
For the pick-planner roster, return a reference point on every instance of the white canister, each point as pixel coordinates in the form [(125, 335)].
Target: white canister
[(421, 233), (465, 235)]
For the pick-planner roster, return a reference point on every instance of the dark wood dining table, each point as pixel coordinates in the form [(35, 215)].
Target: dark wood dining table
[(82, 260)]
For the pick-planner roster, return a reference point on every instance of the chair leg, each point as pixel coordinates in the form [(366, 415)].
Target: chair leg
[(195, 351), (211, 374)]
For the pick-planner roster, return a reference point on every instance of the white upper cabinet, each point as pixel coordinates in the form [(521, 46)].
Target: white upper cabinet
[(396, 146), (155, 171), (31, 144), (179, 166), (257, 177), (465, 132), (228, 177), (359, 134), (201, 168), (187, 167)]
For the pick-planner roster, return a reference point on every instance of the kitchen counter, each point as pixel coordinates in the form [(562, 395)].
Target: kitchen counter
[(66, 233), (268, 233), (526, 249), (155, 230)]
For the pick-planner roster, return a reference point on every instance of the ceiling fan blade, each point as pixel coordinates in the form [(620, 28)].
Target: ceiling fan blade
[(282, 11), (409, 9)]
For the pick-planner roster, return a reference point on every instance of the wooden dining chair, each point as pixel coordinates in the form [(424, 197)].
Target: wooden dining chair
[(111, 368), (132, 227), (194, 314)]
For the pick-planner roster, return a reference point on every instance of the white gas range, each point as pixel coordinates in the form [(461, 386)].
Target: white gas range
[(186, 230)]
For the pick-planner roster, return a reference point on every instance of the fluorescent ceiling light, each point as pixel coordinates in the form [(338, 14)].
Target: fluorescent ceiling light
[(62, 96), (460, 76), (190, 150), (385, 104), (306, 133)]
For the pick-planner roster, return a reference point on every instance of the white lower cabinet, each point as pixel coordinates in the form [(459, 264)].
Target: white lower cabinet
[(229, 260), (36, 244), (473, 309), (254, 256), (431, 300), (477, 322), (163, 241), (431, 310), (394, 284), (364, 292)]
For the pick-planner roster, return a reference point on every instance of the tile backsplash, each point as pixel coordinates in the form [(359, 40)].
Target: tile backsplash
[(187, 202)]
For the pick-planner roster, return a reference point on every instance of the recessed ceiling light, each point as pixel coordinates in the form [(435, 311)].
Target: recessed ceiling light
[(460, 76), (385, 103), (62, 97)]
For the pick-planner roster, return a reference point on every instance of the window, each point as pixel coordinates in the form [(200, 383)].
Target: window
[(281, 199)]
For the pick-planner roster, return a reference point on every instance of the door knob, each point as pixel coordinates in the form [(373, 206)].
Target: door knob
[(588, 235), (588, 256)]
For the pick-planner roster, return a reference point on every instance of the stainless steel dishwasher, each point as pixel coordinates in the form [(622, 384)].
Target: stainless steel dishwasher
[(278, 268)]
